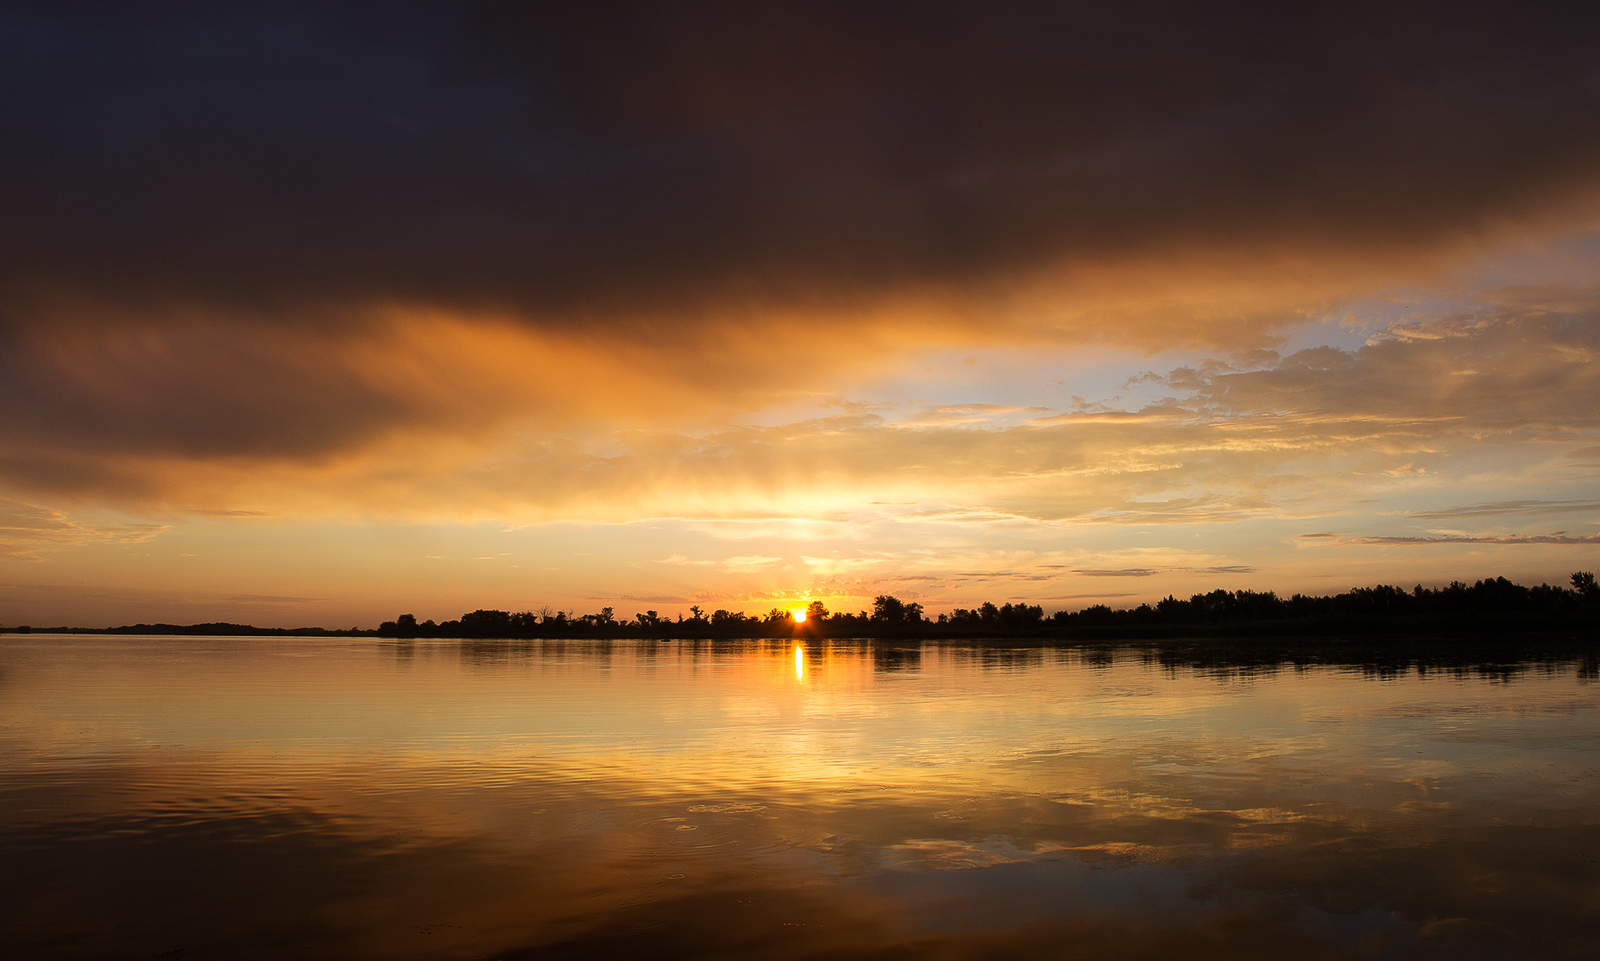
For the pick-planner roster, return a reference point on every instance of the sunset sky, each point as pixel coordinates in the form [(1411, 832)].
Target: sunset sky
[(312, 314)]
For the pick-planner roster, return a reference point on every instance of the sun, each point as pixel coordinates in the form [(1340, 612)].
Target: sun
[(799, 614)]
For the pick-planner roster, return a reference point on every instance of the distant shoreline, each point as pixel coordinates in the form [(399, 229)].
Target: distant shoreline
[(1331, 629), (1489, 607)]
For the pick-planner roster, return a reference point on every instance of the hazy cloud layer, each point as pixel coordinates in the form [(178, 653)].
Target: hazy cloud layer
[(1442, 409)]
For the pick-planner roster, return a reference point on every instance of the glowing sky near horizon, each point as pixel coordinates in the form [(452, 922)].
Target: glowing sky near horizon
[(316, 316)]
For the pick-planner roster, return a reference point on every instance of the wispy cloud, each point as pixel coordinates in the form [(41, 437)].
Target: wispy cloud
[(29, 532), (684, 560), (1559, 537), (272, 599), (1152, 571), (650, 599), (747, 563), (222, 512), (1504, 508)]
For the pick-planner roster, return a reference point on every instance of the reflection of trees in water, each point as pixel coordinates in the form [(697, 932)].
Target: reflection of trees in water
[(1381, 659), (1002, 658), (402, 651), (889, 658), (1098, 658), (499, 653), (1388, 658), (734, 645)]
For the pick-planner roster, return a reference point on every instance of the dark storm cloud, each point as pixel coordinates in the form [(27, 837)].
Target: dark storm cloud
[(567, 160)]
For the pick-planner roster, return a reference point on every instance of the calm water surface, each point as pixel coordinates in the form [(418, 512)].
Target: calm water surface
[(348, 798)]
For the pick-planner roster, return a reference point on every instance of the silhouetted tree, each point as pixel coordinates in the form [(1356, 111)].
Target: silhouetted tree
[(486, 624), (728, 620), (890, 611), (1021, 616)]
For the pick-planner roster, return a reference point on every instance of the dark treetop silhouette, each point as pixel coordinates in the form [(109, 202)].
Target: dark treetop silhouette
[(1495, 604)]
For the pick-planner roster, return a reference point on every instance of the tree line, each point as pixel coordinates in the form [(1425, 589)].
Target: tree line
[(1490, 604)]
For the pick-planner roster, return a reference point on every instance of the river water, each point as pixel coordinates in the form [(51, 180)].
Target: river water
[(352, 798)]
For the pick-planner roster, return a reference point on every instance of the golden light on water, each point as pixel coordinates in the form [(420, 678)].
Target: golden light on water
[(799, 614), (799, 663)]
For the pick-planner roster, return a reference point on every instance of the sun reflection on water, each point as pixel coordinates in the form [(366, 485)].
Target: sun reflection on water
[(799, 663)]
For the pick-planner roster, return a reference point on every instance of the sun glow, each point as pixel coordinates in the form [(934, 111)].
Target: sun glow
[(799, 615)]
